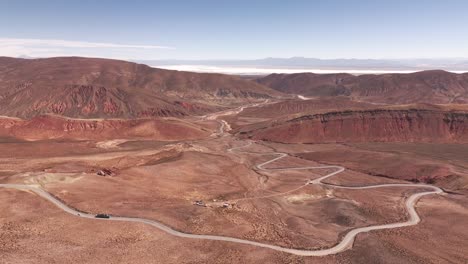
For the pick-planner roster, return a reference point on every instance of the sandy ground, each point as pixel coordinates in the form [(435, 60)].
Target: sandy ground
[(161, 181)]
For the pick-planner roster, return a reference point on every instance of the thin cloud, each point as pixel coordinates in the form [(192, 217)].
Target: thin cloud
[(17, 42), (43, 48)]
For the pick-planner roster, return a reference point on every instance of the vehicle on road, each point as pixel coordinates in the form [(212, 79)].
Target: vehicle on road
[(102, 216)]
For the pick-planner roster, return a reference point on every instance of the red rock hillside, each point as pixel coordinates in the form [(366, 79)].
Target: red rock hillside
[(102, 88), (54, 127), (421, 87), (378, 125)]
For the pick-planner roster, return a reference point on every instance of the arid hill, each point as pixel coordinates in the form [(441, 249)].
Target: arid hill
[(422, 87), (56, 127), (392, 124), (98, 88), (296, 106)]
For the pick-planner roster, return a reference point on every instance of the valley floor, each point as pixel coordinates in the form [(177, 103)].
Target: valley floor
[(163, 180)]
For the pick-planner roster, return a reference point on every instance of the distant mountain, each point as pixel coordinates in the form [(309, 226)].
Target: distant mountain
[(331, 64), (98, 88), (421, 87)]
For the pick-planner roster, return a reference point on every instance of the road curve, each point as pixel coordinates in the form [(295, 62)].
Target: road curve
[(344, 244), (348, 239)]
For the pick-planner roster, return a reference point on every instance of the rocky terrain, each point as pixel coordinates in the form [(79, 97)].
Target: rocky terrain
[(102, 88), (210, 154), (403, 124), (421, 87), (56, 127), (290, 107)]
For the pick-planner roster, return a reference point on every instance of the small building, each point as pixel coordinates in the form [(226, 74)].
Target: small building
[(199, 203), (105, 172)]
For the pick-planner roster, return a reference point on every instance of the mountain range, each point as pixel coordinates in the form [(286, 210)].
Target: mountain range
[(450, 64), (102, 88)]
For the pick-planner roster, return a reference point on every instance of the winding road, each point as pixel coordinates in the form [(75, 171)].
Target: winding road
[(342, 245)]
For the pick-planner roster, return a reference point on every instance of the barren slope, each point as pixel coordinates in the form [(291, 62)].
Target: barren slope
[(52, 127), (85, 87), (421, 87), (381, 125)]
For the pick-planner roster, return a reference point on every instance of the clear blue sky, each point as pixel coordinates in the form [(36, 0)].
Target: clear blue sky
[(235, 29)]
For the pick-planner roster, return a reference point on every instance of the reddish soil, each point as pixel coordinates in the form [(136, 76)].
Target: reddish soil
[(97, 88), (161, 181), (445, 165), (421, 87), (385, 125), (53, 127), (134, 160)]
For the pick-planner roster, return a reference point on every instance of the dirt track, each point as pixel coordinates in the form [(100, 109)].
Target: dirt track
[(344, 244)]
